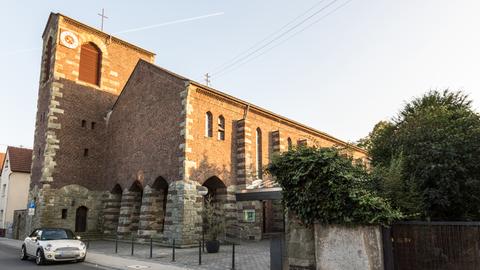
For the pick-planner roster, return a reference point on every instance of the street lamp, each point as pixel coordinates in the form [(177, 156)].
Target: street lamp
[(202, 191)]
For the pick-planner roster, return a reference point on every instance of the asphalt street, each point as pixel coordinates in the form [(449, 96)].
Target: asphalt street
[(10, 260)]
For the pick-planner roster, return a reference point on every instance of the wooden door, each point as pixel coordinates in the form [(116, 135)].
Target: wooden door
[(81, 219)]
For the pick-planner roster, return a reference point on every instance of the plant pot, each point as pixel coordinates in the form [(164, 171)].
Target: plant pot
[(212, 246)]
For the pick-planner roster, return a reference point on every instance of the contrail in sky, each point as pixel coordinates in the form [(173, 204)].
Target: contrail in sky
[(131, 30), (170, 23)]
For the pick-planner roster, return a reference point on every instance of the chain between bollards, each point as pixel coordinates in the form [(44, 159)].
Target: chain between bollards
[(173, 251), (151, 247), (133, 245), (233, 256), (199, 252)]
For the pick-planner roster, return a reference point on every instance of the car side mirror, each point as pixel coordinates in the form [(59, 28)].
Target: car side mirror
[(78, 237)]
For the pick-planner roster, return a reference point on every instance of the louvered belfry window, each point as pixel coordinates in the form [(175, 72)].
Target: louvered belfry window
[(90, 58), (48, 57)]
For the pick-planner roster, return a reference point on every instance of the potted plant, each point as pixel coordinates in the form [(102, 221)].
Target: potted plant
[(214, 225)]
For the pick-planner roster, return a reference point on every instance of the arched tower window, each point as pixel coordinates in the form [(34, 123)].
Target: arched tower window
[(259, 152), (48, 58), (289, 141), (208, 125), (221, 128), (90, 63)]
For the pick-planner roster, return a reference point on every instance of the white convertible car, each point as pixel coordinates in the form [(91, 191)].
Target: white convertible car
[(53, 244)]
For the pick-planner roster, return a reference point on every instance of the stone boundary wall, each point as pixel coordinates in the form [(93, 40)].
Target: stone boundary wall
[(331, 247)]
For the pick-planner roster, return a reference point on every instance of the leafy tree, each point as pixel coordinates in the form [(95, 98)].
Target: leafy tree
[(323, 185), (427, 159)]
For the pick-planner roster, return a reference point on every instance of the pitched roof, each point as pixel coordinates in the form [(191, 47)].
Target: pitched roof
[(2, 158), (20, 159), (249, 105)]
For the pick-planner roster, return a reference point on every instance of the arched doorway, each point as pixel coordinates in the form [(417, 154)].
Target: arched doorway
[(81, 219), (217, 195), (160, 189), (136, 192), (216, 189)]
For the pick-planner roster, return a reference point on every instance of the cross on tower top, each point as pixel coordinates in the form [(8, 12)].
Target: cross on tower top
[(103, 17)]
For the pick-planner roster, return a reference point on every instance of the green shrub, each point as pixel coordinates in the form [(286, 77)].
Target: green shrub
[(322, 185)]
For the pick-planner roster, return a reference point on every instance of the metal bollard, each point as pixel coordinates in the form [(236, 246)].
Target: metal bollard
[(132, 246), (151, 247), (199, 252), (116, 245), (233, 256), (173, 251)]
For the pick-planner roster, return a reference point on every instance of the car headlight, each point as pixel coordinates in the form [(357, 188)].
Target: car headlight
[(48, 247), (82, 245)]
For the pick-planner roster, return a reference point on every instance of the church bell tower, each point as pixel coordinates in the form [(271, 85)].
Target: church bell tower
[(83, 71)]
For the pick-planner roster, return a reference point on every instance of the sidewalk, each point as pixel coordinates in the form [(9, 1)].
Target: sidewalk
[(108, 261)]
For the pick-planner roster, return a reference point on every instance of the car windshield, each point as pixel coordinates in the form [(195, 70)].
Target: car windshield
[(57, 234)]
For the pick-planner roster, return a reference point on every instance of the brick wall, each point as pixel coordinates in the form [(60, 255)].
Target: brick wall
[(144, 129), (234, 159)]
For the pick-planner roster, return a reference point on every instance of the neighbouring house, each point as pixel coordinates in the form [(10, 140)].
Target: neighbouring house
[(14, 183), (122, 146)]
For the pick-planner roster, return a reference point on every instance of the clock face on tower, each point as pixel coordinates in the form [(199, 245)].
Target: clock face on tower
[(69, 39)]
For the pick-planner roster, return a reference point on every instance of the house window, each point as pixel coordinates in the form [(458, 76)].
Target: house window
[(93, 125), (289, 141), (85, 152), (64, 213), (4, 190), (221, 128), (90, 63), (208, 125), (84, 123), (259, 153)]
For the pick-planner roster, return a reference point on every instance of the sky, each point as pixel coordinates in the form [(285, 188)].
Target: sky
[(356, 66)]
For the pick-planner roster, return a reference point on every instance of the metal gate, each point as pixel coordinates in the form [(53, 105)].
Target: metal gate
[(433, 246)]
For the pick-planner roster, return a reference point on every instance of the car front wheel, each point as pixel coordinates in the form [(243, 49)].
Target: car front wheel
[(40, 257), (23, 254)]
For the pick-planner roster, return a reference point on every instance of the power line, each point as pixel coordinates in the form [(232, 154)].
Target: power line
[(279, 36), (267, 37), (221, 74)]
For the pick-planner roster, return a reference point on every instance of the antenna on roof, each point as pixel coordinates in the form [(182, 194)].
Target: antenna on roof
[(207, 79), (103, 17)]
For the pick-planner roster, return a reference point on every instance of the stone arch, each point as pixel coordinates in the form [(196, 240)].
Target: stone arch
[(97, 41), (130, 206), (111, 210), (154, 204), (217, 193), (215, 187)]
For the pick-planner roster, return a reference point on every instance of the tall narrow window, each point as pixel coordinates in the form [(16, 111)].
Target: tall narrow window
[(221, 128), (48, 58), (208, 124), (90, 59), (85, 152), (259, 153), (289, 141), (84, 123)]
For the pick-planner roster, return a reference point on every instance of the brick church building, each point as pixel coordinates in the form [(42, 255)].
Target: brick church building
[(122, 145)]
